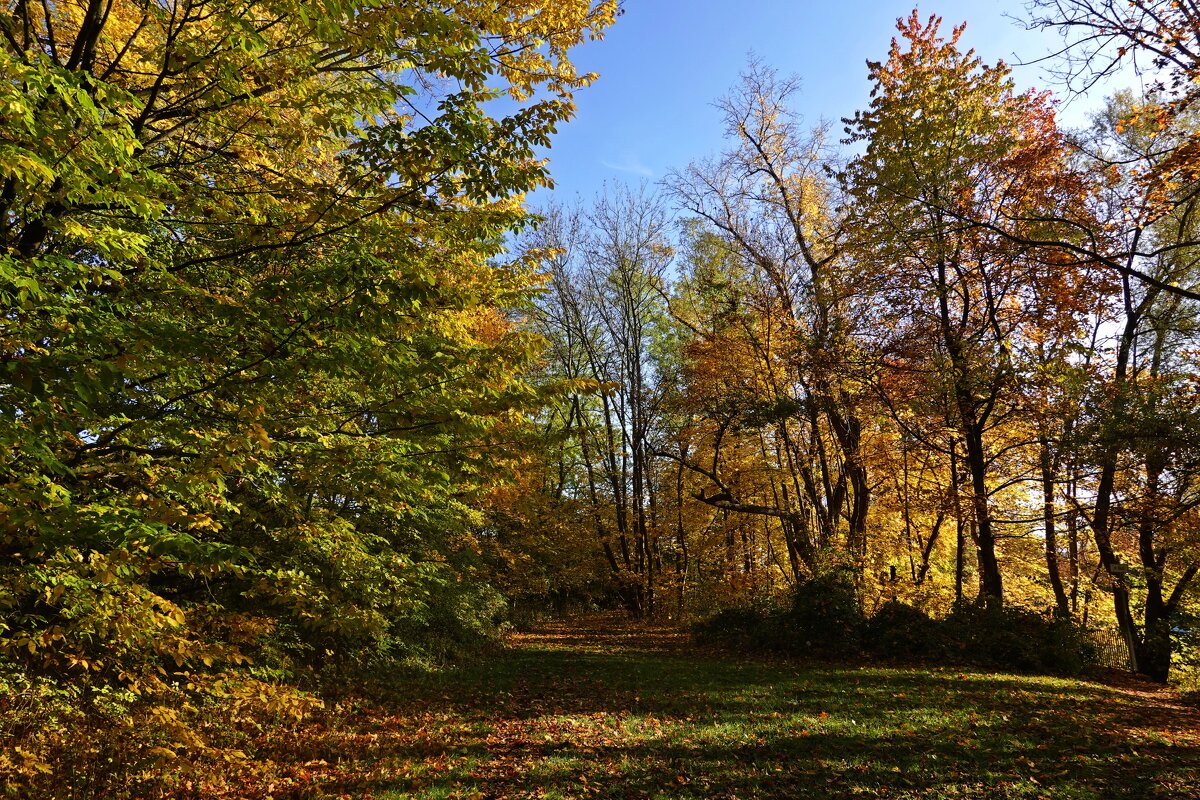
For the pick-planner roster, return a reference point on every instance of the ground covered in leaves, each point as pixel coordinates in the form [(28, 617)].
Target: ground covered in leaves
[(599, 708)]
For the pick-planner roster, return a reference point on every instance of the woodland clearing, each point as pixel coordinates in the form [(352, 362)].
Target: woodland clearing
[(601, 707)]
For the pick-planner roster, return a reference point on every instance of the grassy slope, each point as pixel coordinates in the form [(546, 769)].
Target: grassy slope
[(608, 711)]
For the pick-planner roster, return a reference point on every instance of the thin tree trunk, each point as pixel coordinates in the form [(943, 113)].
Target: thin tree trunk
[(1061, 605), (959, 542), (991, 584)]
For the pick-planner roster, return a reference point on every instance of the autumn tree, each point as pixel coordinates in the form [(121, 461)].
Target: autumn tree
[(258, 349), (769, 203), (1140, 427), (950, 150), (603, 314), (723, 418)]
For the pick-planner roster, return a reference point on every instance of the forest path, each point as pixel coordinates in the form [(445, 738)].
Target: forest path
[(609, 632)]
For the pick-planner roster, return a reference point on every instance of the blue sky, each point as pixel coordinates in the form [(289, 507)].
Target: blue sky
[(665, 61)]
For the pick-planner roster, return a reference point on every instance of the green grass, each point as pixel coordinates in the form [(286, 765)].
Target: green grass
[(606, 718)]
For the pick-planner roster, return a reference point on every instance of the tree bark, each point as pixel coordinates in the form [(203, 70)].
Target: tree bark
[(1062, 606)]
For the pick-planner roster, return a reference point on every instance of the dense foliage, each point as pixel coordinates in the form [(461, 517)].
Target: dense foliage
[(825, 621), (295, 391), (259, 356), (956, 362)]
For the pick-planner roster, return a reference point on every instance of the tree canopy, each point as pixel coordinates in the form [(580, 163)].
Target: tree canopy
[(299, 393), (260, 359)]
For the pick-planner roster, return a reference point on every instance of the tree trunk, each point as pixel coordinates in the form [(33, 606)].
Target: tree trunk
[(959, 542), (1062, 607), (1073, 545), (991, 584)]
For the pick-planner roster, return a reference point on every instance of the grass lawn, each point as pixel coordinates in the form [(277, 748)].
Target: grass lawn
[(605, 710)]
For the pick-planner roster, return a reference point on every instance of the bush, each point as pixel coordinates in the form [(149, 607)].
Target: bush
[(734, 627), (900, 631), (824, 619), (1017, 639), (1185, 653), (456, 622)]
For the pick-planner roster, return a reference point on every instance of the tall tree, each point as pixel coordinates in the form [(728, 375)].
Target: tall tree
[(768, 201), (605, 310), (258, 346), (1141, 432), (947, 142)]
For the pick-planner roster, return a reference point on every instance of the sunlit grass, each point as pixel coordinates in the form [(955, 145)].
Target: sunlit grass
[(559, 722)]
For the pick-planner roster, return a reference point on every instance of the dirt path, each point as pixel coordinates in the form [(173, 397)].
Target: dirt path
[(607, 632)]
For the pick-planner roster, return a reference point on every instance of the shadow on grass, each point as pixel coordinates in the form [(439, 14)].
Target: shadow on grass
[(550, 719)]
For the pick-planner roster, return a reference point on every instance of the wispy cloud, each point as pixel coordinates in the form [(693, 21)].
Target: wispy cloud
[(631, 165)]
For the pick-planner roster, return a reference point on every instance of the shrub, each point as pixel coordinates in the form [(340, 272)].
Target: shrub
[(900, 631), (456, 622), (824, 619), (1017, 639), (1185, 652)]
